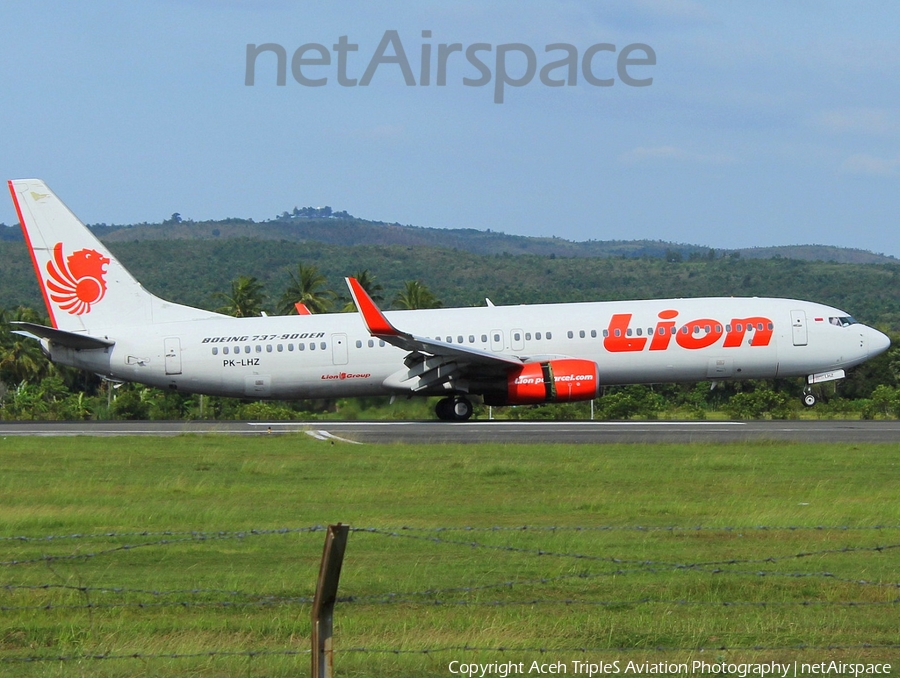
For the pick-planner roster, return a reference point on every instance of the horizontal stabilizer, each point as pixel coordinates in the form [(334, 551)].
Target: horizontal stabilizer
[(63, 338)]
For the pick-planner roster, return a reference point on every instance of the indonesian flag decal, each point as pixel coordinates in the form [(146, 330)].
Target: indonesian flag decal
[(77, 282)]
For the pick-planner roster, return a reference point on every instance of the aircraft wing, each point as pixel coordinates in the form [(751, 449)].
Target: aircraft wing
[(430, 364)]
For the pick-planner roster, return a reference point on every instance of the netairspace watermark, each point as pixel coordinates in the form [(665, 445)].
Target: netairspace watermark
[(698, 668), (515, 64)]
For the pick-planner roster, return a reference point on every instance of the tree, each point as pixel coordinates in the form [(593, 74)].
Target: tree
[(307, 286), (245, 299), (416, 295), (372, 288), (21, 358)]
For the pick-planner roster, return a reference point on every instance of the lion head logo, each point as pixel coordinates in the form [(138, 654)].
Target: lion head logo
[(77, 282)]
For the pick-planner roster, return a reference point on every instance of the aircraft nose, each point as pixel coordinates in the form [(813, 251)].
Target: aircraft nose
[(878, 342)]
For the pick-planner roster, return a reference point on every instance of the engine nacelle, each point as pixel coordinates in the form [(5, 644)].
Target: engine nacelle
[(556, 381)]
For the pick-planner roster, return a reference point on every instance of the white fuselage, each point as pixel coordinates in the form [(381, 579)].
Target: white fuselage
[(333, 355)]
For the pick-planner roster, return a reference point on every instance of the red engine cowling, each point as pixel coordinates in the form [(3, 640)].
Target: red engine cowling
[(555, 381)]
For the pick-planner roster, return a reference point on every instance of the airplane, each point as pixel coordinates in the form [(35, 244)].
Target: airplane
[(105, 322)]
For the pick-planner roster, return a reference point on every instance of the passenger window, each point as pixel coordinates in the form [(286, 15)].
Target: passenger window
[(246, 349), (215, 350), (771, 326), (759, 326), (280, 348), (483, 338), (301, 346), (570, 334), (225, 350), (685, 329), (739, 327), (639, 331), (312, 346), (581, 334), (618, 332), (258, 348), (459, 339), (593, 334), (728, 327), (358, 344), (628, 332), (471, 338), (237, 349), (549, 336), (496, 337), (268, 348), (537, 336), (517, 336), (290, 347), (449, 340), (606, 333), (528, 336), (371, 343)]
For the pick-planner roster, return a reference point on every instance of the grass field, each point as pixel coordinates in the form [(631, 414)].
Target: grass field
[(190, 555)]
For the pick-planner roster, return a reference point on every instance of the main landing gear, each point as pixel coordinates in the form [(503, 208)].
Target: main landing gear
[(455, 408)]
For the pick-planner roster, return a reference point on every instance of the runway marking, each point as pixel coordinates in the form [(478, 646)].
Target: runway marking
[(457, 424), (325, 435)]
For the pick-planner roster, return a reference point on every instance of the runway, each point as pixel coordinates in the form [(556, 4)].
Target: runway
[(409, 432)]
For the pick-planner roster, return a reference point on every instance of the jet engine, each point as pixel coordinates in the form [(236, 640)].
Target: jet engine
[(555, 381)]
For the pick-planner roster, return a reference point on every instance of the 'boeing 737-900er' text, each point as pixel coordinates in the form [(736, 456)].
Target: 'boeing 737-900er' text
[(104, 321)]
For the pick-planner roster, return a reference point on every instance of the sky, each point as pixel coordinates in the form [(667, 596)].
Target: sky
[(759, 124)]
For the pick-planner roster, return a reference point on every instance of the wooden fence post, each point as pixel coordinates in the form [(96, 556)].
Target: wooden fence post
[(326, 596)]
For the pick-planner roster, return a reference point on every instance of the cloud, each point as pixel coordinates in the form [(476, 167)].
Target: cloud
[(878, 122), (684, 10), (674, 153), (870, 165)]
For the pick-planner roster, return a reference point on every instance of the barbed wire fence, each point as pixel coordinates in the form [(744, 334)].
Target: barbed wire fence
[(446, 537)]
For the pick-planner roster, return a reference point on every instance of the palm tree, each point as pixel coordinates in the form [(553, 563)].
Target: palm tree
[(245, 299), (416, 295), (372, 288), (21, 358), (306, 287)]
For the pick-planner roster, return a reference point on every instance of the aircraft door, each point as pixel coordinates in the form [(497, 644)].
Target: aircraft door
[(798, 328), (172, 346), (517, 339), (339, 354), (497, 343)]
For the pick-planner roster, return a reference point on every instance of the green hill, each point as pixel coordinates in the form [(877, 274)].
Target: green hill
[(352, 231), (192, 271)]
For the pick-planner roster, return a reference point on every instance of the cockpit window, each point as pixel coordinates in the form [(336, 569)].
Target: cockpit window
[(844, 321)]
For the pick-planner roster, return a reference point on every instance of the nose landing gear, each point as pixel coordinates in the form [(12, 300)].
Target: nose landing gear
[(455, 408), (808, 399)]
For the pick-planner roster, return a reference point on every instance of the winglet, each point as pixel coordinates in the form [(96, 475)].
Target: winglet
[(372, 316), (302, 309)]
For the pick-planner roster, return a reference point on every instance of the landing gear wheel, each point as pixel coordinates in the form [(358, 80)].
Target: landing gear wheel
[(457, 408), (462, 409), (444, 409), (809, 400)]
